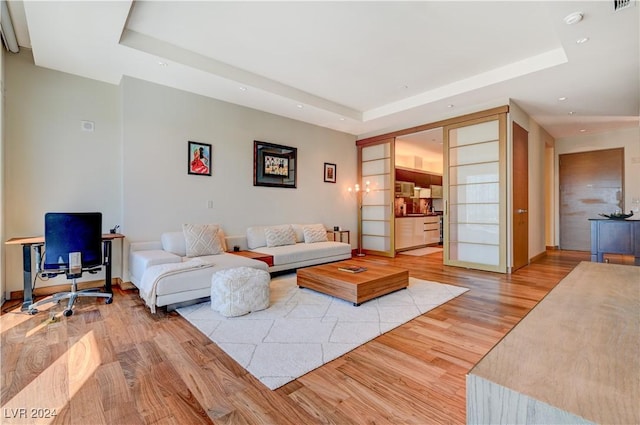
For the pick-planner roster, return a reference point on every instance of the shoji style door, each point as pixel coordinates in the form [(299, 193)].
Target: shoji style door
[(475, 194), (376, 212)]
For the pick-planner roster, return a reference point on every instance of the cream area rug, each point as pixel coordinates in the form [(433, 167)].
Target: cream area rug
[(421, 251), (303, 329)]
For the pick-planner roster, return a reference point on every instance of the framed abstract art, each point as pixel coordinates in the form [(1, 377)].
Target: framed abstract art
[(274, 165)]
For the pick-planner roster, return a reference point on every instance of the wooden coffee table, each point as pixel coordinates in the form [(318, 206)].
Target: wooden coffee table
[(354, 287)]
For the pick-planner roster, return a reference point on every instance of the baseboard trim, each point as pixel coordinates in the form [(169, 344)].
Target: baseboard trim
[(538, 257), (50, 290), (552, 248)]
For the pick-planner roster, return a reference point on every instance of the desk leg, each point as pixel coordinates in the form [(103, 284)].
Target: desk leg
[(107, 266), (27, 295)]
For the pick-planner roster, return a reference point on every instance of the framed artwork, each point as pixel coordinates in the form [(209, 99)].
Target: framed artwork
[(274, 165), (329, 172), (199, 159)]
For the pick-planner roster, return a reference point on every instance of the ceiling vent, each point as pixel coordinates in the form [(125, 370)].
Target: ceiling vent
[(622, 4)]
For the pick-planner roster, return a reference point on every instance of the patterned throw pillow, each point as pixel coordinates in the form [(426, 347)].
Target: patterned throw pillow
[(202, 239), (280, 235), (314, 233)]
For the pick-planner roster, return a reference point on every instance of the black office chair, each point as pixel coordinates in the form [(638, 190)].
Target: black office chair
[(73, 245)]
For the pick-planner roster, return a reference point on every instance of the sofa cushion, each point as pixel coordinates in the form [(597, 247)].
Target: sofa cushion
[(142, 260), (201, 278), (173, 242), (301, 252), (201, 239), (280, 235), (297, 228), (256, 237), (314, 233)]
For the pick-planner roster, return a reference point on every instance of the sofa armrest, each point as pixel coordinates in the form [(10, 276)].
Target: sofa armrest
[(144, 246)]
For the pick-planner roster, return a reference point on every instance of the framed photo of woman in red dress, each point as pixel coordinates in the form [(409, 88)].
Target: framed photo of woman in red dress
[(199, 160)]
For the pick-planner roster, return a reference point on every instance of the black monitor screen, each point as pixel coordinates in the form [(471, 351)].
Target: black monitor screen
[(65, 233)]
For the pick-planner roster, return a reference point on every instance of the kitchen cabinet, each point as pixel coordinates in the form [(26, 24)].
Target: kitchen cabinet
[(431, 230), (404, 232), (421, 179), (413, 232)]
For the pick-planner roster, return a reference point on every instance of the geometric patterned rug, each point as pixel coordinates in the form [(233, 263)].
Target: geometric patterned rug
[(303, 329)]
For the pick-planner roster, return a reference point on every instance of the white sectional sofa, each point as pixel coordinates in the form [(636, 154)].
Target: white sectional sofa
[(167, 276), (177, 278), (296, 245)]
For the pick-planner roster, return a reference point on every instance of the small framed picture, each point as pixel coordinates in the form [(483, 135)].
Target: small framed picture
[(329, 172), (199, 159)]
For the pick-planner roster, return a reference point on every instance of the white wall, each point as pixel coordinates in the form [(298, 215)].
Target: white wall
[(50, 164), (629, 139), (133, 168), (160, 196)]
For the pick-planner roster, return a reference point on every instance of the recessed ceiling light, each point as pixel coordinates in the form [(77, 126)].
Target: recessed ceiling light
[(242, 88), (571, 112), (163, 64), (342, 118), (573, 18), (299, 106), (582, 130), (562, 99), (582, 40), (450, 105)]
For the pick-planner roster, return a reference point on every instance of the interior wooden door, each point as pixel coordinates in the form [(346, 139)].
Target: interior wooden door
[(520, 196), (590, 183)]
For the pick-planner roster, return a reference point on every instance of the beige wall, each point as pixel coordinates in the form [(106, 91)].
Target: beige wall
[(538, 138), (2, 233), (50, 164), (133, 168), (629, 139), (159, 195), (539, 218)]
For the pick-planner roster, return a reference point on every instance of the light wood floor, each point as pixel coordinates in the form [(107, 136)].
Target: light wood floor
[(118, 364)]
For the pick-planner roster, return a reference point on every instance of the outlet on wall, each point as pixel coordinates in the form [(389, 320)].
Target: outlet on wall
[(209, 204)]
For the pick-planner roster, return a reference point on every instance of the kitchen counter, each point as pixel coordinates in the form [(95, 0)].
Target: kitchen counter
[(416, 230), (418, 215)]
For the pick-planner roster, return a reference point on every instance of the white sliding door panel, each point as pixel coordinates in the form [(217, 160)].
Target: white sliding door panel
[(475, 196), (376, 212)]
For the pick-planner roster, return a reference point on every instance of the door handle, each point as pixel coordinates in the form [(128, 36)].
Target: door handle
[(521, 211)]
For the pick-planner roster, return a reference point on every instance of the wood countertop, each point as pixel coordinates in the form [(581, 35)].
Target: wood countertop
[(577, 351)]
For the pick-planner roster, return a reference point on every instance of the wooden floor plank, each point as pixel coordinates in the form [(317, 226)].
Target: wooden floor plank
[(118, 363)]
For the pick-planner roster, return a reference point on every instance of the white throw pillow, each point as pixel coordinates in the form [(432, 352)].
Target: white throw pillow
[(314, 233), (223, 239), (255, 237), (298, 229), (173, 242), (280, 235), (201, 239)]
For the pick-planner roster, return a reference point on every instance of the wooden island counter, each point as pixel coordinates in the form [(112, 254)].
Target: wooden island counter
[(573, 359)]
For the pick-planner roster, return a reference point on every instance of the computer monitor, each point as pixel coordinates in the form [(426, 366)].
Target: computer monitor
[(66, 235)]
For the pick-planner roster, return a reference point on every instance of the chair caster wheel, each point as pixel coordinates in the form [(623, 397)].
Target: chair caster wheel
[(67, 313), (33, 312), (109, 300)]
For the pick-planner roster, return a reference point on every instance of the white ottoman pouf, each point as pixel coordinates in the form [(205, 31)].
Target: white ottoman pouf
[(239, 291)]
